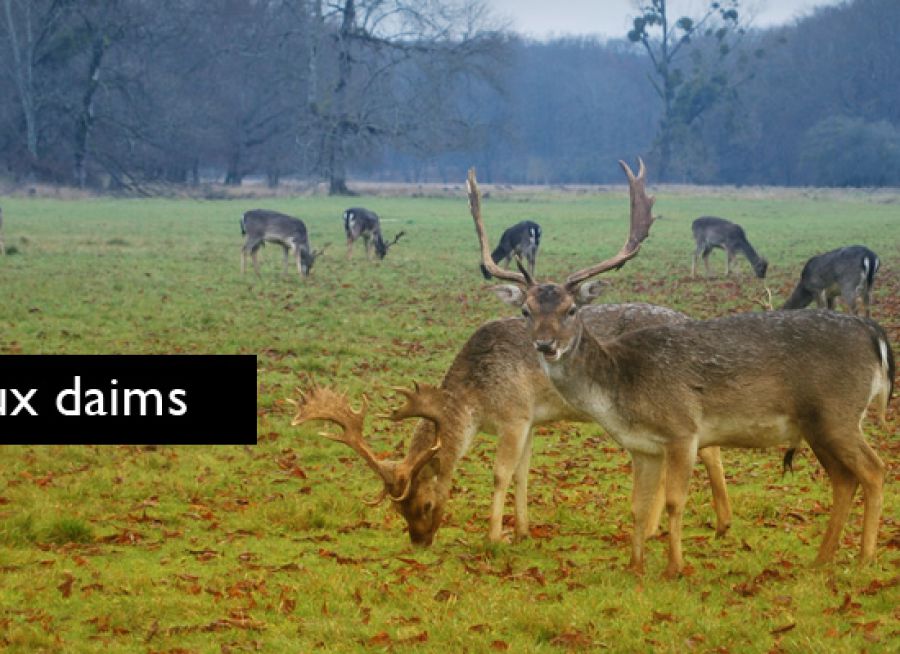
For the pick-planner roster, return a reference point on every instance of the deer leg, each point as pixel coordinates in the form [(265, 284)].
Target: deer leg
[(648, 470), (349, 248), (368, 245), (706, 261), (656, 508), (243, 260), (286, 251), (679, 462), (510, 447), (712, 460), (868, 469), (729, 260), (698, 251), (521, 478), (843, 486)]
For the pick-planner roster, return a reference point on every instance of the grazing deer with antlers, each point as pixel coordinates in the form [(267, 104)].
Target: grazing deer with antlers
[(261, 226), (710, 233), (366, 224), (522, 240), (495, 384), (749, 380), (848, 272)]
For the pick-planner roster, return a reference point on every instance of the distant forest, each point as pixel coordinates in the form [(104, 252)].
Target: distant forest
[(120, 94)]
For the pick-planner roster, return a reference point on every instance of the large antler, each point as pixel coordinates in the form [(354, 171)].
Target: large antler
[(421, 402), (322, 403), (641, 219), (521, 277)]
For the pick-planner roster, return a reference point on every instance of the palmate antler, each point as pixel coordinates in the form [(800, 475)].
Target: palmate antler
[(321, 403), (394, 242), (474, 194), (641, 219)]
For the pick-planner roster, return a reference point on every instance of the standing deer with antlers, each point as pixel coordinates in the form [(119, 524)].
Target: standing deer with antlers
[(749, 380), (496, 385), (366, 224)]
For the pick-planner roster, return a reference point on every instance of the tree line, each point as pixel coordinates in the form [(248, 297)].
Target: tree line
[(124, 93)]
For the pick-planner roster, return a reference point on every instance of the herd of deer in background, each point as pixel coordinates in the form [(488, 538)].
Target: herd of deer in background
[(663, 386)]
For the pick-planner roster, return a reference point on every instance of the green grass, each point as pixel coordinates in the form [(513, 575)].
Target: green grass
[(268, 548)]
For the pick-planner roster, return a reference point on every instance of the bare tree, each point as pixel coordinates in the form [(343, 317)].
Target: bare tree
[(354, 101)]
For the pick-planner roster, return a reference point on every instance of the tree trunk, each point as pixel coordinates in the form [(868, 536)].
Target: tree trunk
[(86, 119)]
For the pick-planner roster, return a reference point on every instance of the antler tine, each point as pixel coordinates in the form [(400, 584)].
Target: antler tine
[(641, 219), (322, 403), (396, 238), (486, 260), (422, 401)]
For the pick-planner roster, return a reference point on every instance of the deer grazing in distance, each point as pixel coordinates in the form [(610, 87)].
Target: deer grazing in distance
[(363, 223), (261, 225), (495, 385), (848, 272), (522, 240), (747, 380), (710, 233)]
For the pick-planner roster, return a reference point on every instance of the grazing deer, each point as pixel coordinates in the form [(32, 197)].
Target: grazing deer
[(366, 224), (748, 380), (262, 225), (848, 272), (522, 240), (711, 233), (495, 384)]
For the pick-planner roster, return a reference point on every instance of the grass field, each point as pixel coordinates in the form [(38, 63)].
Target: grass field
[(269, 548)]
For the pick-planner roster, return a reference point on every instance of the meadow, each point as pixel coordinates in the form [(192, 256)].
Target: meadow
[(269, 548)]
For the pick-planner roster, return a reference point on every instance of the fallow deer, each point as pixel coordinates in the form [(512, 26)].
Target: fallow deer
[(848, 272), (261, 226), (363, 223), (495, 385), (522, 240), (747, 380), (710, 233)]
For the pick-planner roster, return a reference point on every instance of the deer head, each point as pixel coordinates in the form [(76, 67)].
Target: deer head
[(409, 483), (382, 247), (550, 308)]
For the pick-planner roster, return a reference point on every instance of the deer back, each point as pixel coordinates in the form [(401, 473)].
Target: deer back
[(746, 380), (361, 222), (277, 227)]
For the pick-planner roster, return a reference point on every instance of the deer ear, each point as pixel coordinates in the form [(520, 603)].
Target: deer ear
[(509, 294), (590, 291)]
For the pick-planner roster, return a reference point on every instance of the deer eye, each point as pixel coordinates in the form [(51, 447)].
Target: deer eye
[(427, 507), (572, 311), (526, 313)]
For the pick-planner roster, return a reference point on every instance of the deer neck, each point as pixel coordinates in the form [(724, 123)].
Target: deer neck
[(456, 438), (584, 376)]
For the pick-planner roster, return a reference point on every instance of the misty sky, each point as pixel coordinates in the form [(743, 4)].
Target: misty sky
[(610, 18)]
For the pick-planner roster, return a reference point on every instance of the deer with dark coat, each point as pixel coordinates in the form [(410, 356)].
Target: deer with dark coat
[(522, 240), (711, 233), (363, 223), (495, 385), (748, 380), (261, 225), (847, 272)]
